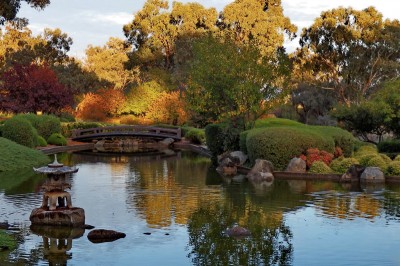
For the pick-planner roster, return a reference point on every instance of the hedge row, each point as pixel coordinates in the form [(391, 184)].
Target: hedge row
[(280, 144)]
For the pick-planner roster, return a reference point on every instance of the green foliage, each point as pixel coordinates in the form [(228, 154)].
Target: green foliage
[(377, 161), (44, 124), (6, 240), (15, 157), (196, 135), (366, 149), (20, 131), (41, 141), (57, 139), (389, 146), (385, 158), (397, 158), (140, 98), (280, 144), (341, 138), (369, 117), (242, 141), (341, 165), (393, 168), (319, 167), (215, 139)]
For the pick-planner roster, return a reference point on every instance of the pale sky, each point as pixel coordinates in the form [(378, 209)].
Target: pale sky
[(95, 21)]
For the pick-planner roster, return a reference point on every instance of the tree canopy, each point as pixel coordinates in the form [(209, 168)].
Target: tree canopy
[(9, 8)]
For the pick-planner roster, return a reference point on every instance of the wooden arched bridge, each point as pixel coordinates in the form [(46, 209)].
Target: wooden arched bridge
[(126, 131)]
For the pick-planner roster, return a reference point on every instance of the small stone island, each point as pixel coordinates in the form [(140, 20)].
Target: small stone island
[(56, 206)]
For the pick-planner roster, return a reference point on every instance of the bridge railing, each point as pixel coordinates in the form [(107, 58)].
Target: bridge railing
[(125, 130)]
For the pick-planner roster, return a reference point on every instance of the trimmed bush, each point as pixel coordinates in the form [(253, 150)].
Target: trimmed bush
[(385, 158), (319, 167), (397, 158), (366, 149), (393, 168), (280, 144), (215, 139), (196, 136), (57, 139), (341, 165), (44, 124), (389, 146), (242, 141), (364, 159), (20, 131), (41, 141), (342, 138), (377, 161)]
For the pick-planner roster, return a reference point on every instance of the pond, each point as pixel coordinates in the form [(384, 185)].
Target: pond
[(174, 209)]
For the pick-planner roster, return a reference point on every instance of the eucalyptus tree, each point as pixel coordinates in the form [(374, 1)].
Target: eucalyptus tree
[(259, 23), (109, 63), (350, 52), (9, 8)]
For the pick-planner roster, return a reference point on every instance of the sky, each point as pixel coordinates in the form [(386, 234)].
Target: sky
[(95, 21)]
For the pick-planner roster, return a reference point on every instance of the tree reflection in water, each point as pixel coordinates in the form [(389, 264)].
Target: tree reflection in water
[(269, 243)]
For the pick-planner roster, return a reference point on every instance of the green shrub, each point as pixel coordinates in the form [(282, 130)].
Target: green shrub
[(242, 141), (280, 144), (364, 158), (319, 167), (366, 149), (397, 158), (389, 146), (385, 158), (215, 139), (231, 137), (377, 161), (341, 165), (196, 136), (66, 117), (44, 124), (20, 131), (57, 139), (1, 130), (393, 168), (41, 141)]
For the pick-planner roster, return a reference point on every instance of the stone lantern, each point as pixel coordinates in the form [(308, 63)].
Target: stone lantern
[(56, 206)]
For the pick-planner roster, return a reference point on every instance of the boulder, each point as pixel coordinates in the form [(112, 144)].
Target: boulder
[(237, 231), (372, 175), (167, 141), (238, 157), (261, 171), (296, 165), (353, 173), (103, 235)]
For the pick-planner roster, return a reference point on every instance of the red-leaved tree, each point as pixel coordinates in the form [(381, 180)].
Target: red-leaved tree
[(32, 88)]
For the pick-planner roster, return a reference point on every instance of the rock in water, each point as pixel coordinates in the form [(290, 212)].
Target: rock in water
[(103, 235)]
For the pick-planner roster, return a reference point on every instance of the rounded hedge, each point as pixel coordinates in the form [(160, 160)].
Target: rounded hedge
[(319, 167), (20, 131), (57, 139), (215, 139), (385, 158), (364, 158), (44, 124), (342, 138), (397, 158), (196, 136), (41, 141), (393, 168), (341, 165), (280, 144), (377, 161), (389, 146)]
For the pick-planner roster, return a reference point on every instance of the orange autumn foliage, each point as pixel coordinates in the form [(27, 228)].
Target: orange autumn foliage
[(169, 108), (100, 106)]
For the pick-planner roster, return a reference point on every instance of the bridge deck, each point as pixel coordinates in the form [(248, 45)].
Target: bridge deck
[(121, 131)]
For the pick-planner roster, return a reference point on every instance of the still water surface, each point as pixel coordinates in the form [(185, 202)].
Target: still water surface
[(186, 206)]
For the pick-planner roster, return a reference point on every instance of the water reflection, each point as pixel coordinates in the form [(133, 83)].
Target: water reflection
[(57, 242)]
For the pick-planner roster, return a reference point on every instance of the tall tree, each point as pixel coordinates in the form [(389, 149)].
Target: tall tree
[(228, 81), (32, 88), (350, 51), (9, 8), (108, 63), (155, 29), (257, 22)]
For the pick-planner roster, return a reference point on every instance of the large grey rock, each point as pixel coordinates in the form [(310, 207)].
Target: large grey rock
[(372, 175), (238, 157), (167, 141), (261, 171), (296, 165)]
